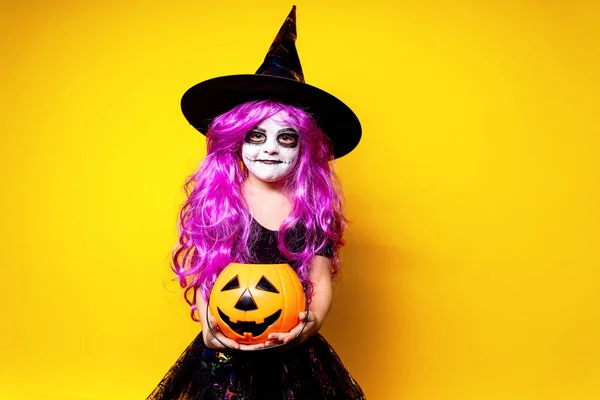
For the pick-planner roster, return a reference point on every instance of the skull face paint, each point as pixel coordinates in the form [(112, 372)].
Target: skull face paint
[(270, 150)]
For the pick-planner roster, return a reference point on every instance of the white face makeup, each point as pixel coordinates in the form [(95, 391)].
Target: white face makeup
[(270, 150)]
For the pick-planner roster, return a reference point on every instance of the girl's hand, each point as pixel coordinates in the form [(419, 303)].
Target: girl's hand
[(311, 329), (212, 343)]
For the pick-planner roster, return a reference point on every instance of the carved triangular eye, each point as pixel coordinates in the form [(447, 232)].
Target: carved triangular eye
[(234, 283), (265, 285)]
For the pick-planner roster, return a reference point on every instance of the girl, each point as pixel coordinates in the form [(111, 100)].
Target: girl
[(264, 194)]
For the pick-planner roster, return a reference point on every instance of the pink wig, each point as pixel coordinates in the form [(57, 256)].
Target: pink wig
[(214, 222)]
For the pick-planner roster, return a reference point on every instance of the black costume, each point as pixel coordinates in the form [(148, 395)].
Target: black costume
[(311, 370)]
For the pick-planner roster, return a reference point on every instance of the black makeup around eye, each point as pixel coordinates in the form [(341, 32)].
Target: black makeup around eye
[(288, 139), (255, 137)]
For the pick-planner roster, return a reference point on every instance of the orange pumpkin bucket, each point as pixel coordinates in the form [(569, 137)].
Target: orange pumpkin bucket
[(249, 301)]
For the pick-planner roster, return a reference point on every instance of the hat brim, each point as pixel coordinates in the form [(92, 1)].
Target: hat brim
[(208, 99)]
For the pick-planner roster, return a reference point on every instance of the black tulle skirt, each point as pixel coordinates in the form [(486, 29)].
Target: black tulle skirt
[(311, 370)]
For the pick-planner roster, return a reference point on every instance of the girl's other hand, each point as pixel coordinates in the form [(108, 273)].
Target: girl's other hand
[(311, 329)]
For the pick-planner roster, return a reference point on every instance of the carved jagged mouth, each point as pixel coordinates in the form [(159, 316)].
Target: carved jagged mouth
[(249, 327)]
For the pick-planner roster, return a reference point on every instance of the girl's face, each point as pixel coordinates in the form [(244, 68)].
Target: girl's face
[(270, 150)]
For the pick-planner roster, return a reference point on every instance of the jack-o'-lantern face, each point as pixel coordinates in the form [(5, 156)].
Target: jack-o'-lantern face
[(250, 301)]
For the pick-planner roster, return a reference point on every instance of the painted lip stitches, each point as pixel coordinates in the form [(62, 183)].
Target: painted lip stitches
[(269, 162)]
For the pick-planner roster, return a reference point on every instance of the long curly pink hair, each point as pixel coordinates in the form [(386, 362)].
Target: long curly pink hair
[(214, 222)]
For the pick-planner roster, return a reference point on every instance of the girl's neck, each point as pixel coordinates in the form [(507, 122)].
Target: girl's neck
[(254, 185), (267, 202)]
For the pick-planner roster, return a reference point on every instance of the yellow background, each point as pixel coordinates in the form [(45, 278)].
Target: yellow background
[(471, 269)]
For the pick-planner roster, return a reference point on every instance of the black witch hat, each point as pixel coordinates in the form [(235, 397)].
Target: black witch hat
[(279, 78)]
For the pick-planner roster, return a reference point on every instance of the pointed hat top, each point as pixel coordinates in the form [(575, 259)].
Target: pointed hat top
[(282, 58)]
